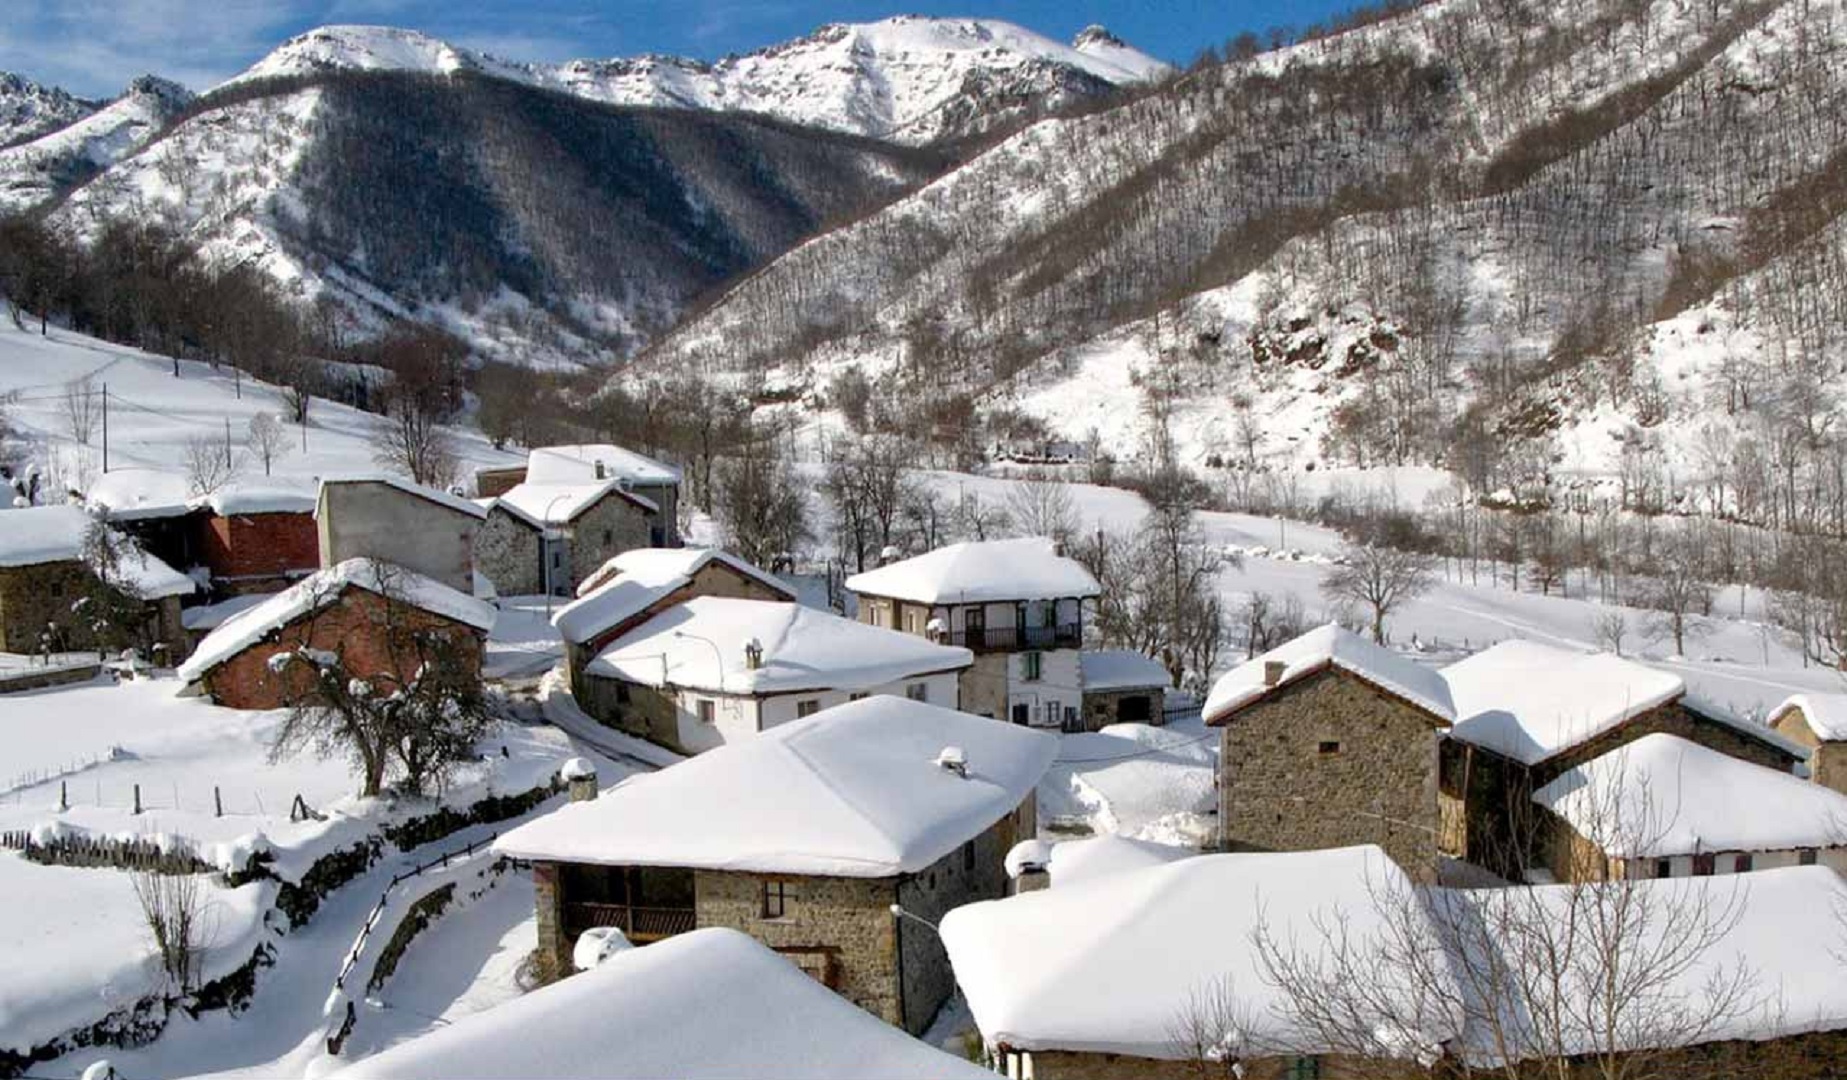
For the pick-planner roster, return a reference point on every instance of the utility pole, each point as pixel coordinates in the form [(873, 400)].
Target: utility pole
[(105, 427), (227, 442)]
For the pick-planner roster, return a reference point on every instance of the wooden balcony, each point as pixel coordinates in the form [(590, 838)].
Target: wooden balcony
[(1017, 638), (638, 924)]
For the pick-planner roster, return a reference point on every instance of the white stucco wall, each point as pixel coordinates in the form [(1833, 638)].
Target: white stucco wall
[(738, 717)]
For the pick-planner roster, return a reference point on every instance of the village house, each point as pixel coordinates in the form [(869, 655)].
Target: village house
[(1018, 605), (1662, 806), (711, 670), (1528, 713), (388, 518), (708, 1005), (838, 840), (44, 576), (1819, 723), (1120, 686), (247, 537), (379, 619), (1100, 976), (592, 463), (548, 538), (1330, 741), (634, 586)]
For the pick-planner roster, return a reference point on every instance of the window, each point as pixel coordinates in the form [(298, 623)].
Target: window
[(1806, 857), (968, 857), (622, 697), (807, 707), (1328, 747), (1304, 1068), (918, 691), (775, 899), (609, 537), (858, 696), (1741, 864), (1053, 713), (1704, 865), (1020, 714), (708, 711), (1664, 868), (1032, 666), (57, 589)]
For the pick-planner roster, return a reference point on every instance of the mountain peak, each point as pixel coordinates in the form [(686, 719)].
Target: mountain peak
[(1096, 34)]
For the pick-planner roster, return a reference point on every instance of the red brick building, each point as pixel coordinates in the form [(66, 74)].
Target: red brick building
[(259, 543), (378, 619)]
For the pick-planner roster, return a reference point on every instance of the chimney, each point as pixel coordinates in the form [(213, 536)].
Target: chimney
[(1029, 866), (602, 473), (1273, 672), (1032, 879), (954, 759), (580, 778), (753, 654)]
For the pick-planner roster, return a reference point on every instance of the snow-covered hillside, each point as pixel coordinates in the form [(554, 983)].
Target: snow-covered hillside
[(907, 79), (28, 110), (34, 173)]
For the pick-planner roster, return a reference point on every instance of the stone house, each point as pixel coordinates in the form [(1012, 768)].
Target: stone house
[(712, 670), (1817, 722), (44, 575), (632, 587), (382, 621), (551, 537), (1528, 713), (388, 518), (249, 537), (1662, 806), (1018, 605), (1120, 686), (804, 838), (1097, 977), (1330, 741), (593, 463)]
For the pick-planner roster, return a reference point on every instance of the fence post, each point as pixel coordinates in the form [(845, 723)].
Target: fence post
[(217, 802), (64, 795), (137, 798)]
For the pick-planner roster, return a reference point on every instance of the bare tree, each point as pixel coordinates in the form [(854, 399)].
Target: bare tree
[(1677, 590), (416, 703), (83, 408), (210, 464), (1268, 621), (1381, 579), (1610, 628), (420, 396), (1042, 506), (173, 909), (266, 440), (759, 501)]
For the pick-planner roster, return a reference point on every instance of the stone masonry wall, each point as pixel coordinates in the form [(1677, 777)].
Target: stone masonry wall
[(1827, 760), (984, 686), (507, 551), (1673, 719), (614, 525), (355, 626), (1279, 789), (1104, 707), (974, 872), (847, 918)]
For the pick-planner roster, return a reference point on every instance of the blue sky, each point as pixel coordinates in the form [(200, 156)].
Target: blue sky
[(94, 47)]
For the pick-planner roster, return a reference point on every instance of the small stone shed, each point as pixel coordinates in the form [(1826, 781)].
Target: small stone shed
[(537, 536), (1329, 741), (43, 574), (1819, 723), (379, 619), (804, 839), (1122, 687)]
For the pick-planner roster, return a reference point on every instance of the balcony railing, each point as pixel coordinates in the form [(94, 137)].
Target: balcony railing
[(1016, 638), (636, 923)]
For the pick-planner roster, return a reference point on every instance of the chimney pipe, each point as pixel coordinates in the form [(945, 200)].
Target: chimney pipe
[(601, 472), (1032, 879), (753, 654), (1273, 672)]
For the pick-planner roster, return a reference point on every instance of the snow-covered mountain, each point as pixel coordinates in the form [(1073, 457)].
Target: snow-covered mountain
[(906, 79), (35, 172), (1505, 239), (28, 110)]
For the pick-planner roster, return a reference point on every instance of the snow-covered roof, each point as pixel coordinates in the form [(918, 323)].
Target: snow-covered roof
[(1663, 795), (320, 589), (630, 583), (540, 505), (1528, 701), (1112, 964), (212, 616), (981, 571), (700, 643), (851, 791), (45, 534), (577, 464), (1074, 862), (1121, 669), (137, 493), (435, 495), (709, 1005), (1331, 646), (1826, 714), (239, 499), (1766, 924)]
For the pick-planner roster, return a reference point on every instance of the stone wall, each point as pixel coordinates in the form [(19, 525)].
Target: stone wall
[(845, 923), (614, 525), (1104, 707), (1487, 808), (975, 871), (359, 626), (41, 595), (507, 552), (713, 579), (1673, 718), (552, 959), (1330, 761), (1827, 760), (984, 686), (638, 710), (664, 528)]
